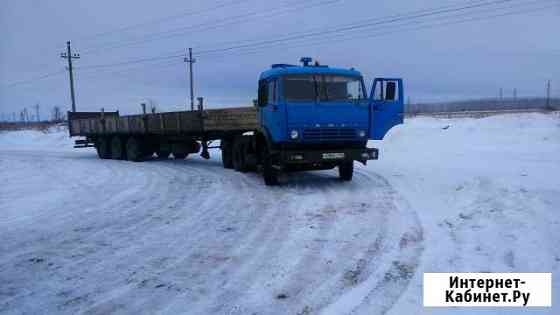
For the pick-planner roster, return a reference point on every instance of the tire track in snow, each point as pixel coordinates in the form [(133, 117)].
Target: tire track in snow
[(190, 237)]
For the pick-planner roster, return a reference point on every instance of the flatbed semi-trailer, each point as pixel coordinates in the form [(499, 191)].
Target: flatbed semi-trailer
[(306, 117)]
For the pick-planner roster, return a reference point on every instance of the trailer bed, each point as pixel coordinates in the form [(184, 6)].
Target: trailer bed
[(211, 121)]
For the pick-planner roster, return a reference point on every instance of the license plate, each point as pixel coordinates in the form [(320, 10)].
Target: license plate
[(333, 156)]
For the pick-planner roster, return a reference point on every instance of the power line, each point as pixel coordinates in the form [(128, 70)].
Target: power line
[(41, 77), (163, 19), (223, 22), (235, 42), (108, 74), (122, 63), (344, 37), (355, 26), (336, 32)]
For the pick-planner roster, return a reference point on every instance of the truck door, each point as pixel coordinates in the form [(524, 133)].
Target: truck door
[(272, 112), (386, 106)]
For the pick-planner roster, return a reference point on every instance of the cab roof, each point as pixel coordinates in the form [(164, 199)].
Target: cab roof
[(278, 70)]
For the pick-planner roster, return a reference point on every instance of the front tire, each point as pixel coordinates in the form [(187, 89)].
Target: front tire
[(346, 171), (270, 174)]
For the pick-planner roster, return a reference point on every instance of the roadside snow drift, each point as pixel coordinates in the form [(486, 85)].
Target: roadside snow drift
[(83, 235)]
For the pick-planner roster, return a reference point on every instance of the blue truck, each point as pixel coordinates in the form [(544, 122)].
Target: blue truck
[(306, 117)]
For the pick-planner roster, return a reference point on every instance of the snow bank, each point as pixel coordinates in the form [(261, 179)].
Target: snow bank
[(53, 139), (447, 195), (487, 192)]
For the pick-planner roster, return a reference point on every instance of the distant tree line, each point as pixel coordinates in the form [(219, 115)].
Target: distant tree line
[(489, 104)]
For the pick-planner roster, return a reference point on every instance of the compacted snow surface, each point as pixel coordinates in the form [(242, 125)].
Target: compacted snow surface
[(83, 235)]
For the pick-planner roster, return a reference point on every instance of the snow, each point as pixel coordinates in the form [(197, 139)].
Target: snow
[(83, 235)]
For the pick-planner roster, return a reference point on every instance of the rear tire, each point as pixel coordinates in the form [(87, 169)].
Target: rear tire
[(134, 150), (227, 153), (346, 171), (103, 148), (239, 155), (117, 148)]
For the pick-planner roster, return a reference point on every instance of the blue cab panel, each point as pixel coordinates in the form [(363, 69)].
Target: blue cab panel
[(320, 104), (387, 106)]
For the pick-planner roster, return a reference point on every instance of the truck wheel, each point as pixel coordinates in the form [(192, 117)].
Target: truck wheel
[(103, 148), (134, 151), (239, 156), (117, 148), (346, 170), (270, 174), (227, 153), (239, 163)]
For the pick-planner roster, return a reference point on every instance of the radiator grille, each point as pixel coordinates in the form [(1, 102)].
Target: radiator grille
[(326, 134)]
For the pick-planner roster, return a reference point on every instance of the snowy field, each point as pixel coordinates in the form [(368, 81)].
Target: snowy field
[(83, 235)]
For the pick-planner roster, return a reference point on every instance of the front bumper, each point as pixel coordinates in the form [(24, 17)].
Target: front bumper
[(330, 156)]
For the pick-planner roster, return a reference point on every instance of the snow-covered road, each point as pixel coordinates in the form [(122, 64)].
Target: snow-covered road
[(83, 235)]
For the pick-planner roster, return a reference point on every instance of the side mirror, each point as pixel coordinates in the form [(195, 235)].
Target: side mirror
[(390, 91)]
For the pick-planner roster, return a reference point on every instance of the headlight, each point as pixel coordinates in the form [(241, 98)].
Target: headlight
[(361, 133), (294, 134)]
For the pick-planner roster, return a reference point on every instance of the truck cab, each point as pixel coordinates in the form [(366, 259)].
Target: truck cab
[(318, 117)]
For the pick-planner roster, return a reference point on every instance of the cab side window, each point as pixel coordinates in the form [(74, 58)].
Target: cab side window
[(386, 90), (272, 94), (263, 93)]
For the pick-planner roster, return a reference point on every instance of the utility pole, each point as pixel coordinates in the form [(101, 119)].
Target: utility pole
[(501, 94), (190, 60), (515, 94), (548, 94), (37, 112), (68, 55)]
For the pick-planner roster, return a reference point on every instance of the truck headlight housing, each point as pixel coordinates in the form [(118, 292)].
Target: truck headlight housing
[(361, 133), (294, 134)]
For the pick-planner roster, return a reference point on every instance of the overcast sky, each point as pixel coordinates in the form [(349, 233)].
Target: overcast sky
[(438, 62)]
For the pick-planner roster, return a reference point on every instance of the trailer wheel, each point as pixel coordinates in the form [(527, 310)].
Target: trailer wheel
[(346, 170), (227, 153), (103, 148), (117, 148), (134, 150), (239, 155)]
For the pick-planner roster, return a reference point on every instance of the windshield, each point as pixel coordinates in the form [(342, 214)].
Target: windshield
[(322, 87)]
